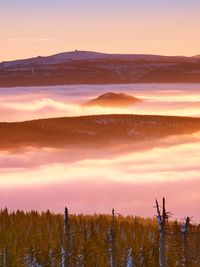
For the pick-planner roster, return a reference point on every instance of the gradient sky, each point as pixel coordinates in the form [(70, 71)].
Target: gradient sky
[(32, 28)]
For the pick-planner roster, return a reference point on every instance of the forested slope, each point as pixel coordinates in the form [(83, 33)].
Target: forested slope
[(33, 239), (94, 130), (83, 67)]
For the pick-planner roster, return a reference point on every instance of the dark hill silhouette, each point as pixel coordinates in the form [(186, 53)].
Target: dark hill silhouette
[(94, 130), (85, 67), (111, 99)]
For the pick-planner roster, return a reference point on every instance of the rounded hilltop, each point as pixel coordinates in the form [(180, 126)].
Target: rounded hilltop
[(112, 99)]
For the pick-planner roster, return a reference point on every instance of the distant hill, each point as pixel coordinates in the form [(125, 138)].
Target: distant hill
[(85, 55), (94, 130), (111, 99), (86, 67)]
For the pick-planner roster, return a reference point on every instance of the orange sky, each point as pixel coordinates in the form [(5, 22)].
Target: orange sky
[(32, 29)]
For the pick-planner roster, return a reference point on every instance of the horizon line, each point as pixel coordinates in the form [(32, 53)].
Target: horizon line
[(97, 52)]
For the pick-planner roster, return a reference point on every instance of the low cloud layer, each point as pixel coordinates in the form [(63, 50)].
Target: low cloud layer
[(128, 178), (95, 181), (57, 101)]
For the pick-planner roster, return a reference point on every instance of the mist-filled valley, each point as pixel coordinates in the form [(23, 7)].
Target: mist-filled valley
[(27, 103), (94, 163)]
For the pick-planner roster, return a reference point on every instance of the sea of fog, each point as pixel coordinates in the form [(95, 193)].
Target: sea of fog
[(26, 103), (96, 180)]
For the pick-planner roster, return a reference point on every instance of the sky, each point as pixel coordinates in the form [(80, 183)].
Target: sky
[(32, 27)]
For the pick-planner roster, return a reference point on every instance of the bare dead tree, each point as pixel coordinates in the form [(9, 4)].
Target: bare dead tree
[(185, 229), (112, 241), (162, 217), (67, 238), (5, 256), (129, 259), (198, 244)]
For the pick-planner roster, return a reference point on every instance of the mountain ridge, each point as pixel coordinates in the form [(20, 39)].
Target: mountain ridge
[(84, 55), (94, 130), (87, 67)]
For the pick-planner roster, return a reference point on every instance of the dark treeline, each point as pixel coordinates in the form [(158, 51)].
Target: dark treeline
[(40, 239)]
